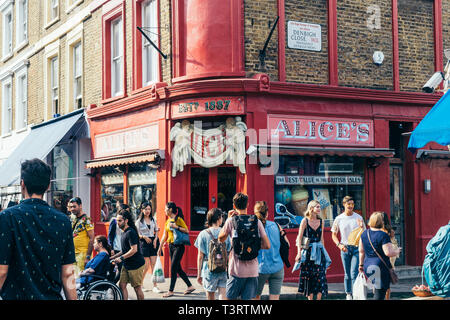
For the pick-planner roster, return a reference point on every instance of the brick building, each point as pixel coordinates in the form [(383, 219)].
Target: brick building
[(46, 73)]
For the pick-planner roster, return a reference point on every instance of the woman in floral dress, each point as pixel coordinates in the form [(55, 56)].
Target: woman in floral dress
[(312, 279)]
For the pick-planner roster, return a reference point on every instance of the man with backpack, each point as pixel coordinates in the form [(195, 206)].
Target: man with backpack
[(247, 238), (212, 258)]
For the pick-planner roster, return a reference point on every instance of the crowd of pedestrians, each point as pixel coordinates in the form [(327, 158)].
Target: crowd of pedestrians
[(42, 251)]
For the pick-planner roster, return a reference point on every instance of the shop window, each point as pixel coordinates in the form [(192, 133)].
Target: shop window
[(141, 187), (62, 183), (111, 192), (325, 179)]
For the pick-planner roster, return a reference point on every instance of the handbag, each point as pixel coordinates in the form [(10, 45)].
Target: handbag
[(392, 274), (306, 241), (284, 248), (354, 236), (180, 237)]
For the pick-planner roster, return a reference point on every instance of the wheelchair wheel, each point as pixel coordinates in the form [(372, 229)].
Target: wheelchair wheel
[(103, 290)]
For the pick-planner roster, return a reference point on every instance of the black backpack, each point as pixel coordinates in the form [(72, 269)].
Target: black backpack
[(246, 239)]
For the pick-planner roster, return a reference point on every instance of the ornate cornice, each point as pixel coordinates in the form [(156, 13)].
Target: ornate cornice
[(258, 84)]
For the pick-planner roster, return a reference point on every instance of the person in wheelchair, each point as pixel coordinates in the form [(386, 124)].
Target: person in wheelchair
[(98, 267)]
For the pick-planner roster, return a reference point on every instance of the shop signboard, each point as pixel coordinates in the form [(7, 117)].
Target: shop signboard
[(319, 180), (321, 131), (207, 107), (130, 140)]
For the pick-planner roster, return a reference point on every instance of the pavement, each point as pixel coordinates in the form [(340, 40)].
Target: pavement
[(399, 291)]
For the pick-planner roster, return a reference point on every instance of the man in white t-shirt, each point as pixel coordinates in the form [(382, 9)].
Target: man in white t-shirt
[(344, 224)]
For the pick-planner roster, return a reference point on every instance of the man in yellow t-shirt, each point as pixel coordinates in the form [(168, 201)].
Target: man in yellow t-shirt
[(83, 234)]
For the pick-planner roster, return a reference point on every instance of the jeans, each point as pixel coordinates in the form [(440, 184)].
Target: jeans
[(176, 253), (241, 287), (350, 261)]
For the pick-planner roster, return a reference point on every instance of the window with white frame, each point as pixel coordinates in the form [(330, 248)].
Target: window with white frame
[(22, 22), (21, 99), (77, 75), (7, 32), (7, 106), (149, 54), (54, 85), (52, 10), (116, 57)]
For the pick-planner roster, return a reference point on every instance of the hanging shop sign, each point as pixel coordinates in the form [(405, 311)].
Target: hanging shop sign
[(209, 148), (319, 180), (130, 140), (321, 131), (207, 107), (304, 36)]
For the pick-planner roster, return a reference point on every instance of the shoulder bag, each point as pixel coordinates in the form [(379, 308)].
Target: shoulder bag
[(392, 274), (180, 237), (284, 247)]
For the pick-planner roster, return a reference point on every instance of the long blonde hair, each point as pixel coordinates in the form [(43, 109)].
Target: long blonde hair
[(310, 208)]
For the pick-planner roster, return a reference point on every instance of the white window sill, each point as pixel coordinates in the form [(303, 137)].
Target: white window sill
[(21, 45), (6, 135), (48, 25), (73, 6), (24, 129), (7, 57)]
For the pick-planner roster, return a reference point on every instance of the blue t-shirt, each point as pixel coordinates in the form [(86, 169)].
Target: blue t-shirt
[(100, 263), (269, 260), (202, 244), (374, 268), (35, 242)]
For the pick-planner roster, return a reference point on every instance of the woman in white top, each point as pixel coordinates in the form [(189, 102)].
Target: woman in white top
[(148, 235)]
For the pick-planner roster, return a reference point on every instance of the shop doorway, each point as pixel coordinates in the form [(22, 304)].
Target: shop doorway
[(398, 142), (398, 208), (210, 187)]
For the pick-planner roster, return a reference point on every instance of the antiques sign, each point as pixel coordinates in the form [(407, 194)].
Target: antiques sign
[(318, 180), (207, 106), (304, 36), (321, 131), (130, 140)]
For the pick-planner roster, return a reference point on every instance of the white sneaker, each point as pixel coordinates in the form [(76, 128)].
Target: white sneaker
[(349, 296), (156, 290)]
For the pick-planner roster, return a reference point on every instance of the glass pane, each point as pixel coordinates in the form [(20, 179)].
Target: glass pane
[(199, 197), (142, 187), (325, 179), (62, 180), (226, 188), (111, 193)]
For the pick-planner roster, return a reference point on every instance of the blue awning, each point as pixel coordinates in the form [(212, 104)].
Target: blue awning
[(38, 144), (435, 126)]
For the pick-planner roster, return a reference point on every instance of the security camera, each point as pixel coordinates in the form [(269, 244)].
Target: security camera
[(434, 82), (252, 149)]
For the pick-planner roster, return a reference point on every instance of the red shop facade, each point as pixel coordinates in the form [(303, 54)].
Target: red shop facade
[(215, 131), (297, 148)]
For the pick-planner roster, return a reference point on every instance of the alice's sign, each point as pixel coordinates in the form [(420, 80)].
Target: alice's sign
[(318, 180), (320, 131), (207, 106), (304, 36)]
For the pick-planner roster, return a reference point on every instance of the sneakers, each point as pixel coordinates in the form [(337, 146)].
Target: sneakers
[(156, 290), (349, 296)]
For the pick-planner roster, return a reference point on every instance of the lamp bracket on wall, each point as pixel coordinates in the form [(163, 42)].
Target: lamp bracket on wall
[(141, 30), (262, 53)]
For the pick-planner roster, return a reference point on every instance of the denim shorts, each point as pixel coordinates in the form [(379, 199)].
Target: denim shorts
[(275, 282), (241, 287), (214, 282)]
